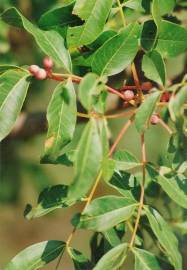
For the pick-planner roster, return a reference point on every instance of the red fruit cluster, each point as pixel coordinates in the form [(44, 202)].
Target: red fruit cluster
[(42, 73), (165, 97)]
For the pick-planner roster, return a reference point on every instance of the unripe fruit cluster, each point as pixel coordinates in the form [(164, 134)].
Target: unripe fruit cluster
[(42, 73)]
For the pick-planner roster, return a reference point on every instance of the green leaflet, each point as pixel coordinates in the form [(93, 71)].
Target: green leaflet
[(118, 52), (166, 6), (113, 259), (94, 13), (145, 260), (50, 42), (59, 17), (49, 200), (175, 185), (87, 161), (172, 39), (13, 90), (134, 4), (4, 68), (61, 116), (105, 212), (154, 68), (90, 92), (79, 260), (124, 161), (165, 236), (36, 256), (176, 104), (145, 111)]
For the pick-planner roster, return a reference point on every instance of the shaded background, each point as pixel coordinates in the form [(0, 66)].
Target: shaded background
[(21, 175)]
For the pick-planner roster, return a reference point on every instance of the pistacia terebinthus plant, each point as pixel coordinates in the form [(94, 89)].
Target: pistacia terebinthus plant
[(103, 48)]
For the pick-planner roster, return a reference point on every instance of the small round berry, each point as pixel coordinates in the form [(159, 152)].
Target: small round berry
[(155, 118), (41, 74), (48, 63), (128, 95), (33, 69)]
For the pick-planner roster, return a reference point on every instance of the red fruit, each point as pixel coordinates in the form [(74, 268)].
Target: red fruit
[(155, 118), (165, 97), (41, 74), (146, 86), (34, 69), (128, 95), (48, 63)]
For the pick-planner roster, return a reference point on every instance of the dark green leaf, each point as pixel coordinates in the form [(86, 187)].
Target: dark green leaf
[(36, 256), (112, 237), (87, 161), (105, 212), (13, 90), (79, 260), (124, 183), (165, 236), (61, 116), (49, 200), (94, 14), (145, 112), (61, 16), (148, 35), (118, 52), (113, 259), (50, 42)]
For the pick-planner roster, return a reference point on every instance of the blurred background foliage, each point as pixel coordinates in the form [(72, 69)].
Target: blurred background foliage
[(21, 175)]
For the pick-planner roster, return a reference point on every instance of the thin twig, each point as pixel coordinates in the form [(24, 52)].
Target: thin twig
[(141, 204), (165, 126)]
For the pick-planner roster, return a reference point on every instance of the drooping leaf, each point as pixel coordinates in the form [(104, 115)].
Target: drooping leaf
[(145, 112), (125, 183), (145, 260), (50, 42), (124, 161), (13, 90), (176, 103), (112, 237), (105, 212), (113, 259), (49, 200), (154, 67), (172, 39), (165, 236), (59, 17), (94, 14), (4, 68), (61, 116), (87, 161), (108, 167), (36, 256), (118, 52), (175, 185), (79, 260)]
